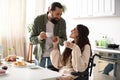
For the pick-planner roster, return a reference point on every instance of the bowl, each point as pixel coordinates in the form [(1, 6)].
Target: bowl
[(113, 46)]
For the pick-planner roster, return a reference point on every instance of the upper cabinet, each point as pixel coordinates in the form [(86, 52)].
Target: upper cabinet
[(97, 8)]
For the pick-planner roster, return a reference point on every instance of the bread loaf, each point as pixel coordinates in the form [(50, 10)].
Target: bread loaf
[(10, 58)]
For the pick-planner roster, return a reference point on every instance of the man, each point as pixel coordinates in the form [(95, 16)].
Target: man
[(51, 24)]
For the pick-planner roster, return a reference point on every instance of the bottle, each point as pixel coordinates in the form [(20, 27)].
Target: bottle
[(96, 43), (99, 41), (104, 42)]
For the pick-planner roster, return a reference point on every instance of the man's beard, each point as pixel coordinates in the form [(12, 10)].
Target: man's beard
[(54, 21)]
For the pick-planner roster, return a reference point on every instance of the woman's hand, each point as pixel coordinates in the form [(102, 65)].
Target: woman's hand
[(55, 40), (68, 44)]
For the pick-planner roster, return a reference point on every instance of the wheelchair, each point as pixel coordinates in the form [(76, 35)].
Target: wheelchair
[(82, 75), (88, 72)]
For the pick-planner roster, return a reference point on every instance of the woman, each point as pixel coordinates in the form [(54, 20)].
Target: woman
[(76, 54)]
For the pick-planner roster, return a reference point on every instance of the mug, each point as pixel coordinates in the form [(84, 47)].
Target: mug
[(49, 34)]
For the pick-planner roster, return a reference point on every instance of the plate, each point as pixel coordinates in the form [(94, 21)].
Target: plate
[(6, 72), (20, 66)]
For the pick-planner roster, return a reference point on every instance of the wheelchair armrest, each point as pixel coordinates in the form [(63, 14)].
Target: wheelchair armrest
[(85, 73), (51, 67)]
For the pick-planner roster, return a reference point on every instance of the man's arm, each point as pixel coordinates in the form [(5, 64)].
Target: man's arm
[(34, 37)]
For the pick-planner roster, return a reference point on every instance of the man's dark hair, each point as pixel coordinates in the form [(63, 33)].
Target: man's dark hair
[(54, 5)]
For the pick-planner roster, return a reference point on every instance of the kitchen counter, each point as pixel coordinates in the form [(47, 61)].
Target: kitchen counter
[(107, 51)]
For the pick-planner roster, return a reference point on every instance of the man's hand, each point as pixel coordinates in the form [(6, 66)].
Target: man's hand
[(42, 35)]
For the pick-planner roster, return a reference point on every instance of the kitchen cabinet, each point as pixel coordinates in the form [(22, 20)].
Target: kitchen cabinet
[(97, 8)]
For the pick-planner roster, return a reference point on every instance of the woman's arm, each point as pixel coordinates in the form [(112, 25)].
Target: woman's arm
[(55, 55), (56, 58), (80, 60)]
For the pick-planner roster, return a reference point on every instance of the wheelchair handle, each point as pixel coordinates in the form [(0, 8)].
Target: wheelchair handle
[(96, 55)]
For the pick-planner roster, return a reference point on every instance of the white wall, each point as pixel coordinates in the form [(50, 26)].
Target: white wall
[(109, 26)]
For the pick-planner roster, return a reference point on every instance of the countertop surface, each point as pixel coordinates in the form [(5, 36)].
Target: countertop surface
[(109, 50)]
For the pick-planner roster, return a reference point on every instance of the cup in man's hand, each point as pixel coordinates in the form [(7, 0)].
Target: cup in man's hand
[(48, 34)]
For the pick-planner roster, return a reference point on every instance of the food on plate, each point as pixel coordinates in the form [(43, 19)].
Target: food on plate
[(20, 63), (2, 71), (0, 62), (10, 58), (5, 67)]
